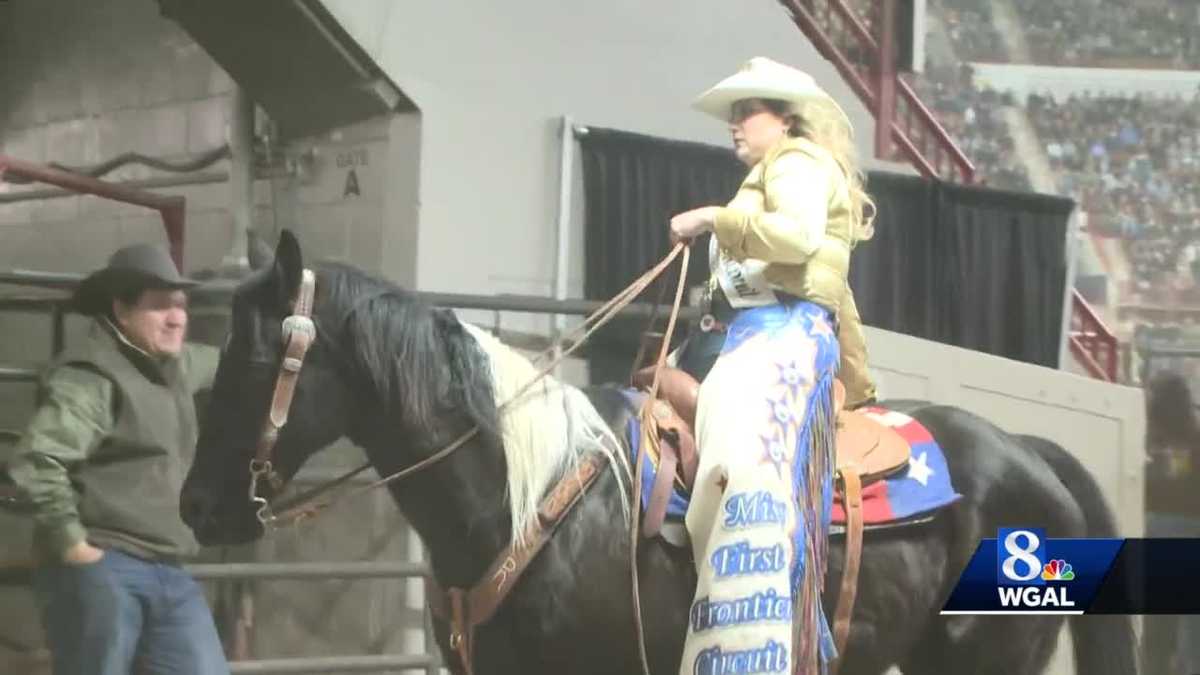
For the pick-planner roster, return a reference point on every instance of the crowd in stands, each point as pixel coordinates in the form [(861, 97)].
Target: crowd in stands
[(1136, 33), (1133, 164), (971, 28), (973, 118)]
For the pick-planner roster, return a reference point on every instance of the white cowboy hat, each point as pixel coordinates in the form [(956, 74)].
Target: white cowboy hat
[(761, 77)]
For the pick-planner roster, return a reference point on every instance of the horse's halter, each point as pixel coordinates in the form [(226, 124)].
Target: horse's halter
[(299, 332)]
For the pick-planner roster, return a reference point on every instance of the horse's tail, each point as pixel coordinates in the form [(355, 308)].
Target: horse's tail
[(1104, 644)]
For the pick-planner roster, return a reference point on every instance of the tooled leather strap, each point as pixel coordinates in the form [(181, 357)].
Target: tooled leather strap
[(299, 331), (852, 490), (671, 443), (664, 480), (462, 630), (467, 608), (482, 601)]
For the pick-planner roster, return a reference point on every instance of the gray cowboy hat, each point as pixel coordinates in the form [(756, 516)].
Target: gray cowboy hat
[(132, 268)]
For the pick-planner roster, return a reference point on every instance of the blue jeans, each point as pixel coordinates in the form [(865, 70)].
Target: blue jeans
[(124, 615)]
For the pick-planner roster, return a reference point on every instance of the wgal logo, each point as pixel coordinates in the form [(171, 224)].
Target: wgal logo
[(1023, 570)]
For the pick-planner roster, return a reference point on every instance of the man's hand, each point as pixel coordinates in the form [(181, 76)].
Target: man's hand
[(82, 553)]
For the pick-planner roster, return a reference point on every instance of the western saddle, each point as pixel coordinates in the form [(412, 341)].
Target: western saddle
[(867, 451)]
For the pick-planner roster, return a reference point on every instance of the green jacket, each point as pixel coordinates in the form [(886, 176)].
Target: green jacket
[(106, 452)]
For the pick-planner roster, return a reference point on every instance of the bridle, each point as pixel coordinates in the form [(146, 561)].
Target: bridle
[(299, 333), (467, 607)]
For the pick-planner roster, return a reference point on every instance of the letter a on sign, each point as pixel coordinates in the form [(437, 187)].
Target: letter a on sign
[(351, 184)]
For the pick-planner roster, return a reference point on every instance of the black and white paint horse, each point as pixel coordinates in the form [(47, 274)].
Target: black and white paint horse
[(402, 379)]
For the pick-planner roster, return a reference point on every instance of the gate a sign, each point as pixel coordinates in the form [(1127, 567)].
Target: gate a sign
[(352, 159)]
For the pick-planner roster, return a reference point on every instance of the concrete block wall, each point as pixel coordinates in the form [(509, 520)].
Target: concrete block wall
[(335, 201), (84, 82)]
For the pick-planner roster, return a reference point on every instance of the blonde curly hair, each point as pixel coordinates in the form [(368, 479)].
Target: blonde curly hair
[(824, 123)]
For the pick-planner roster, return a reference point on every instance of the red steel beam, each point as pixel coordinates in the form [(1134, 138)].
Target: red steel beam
[(867, 91), (965, 167), (885, 72), (1089, 333), (850, 17), (808, 25), (170, 207), (1085, 358)]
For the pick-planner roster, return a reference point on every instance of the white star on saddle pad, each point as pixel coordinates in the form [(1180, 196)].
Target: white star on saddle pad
[(918, 469)]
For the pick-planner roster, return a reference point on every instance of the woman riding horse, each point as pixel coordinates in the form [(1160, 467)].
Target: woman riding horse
[(780, 254)]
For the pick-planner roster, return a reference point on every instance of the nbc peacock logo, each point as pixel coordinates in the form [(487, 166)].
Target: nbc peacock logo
[(1058, 570)]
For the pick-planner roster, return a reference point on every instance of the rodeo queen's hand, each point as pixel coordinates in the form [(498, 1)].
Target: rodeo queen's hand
[(690, 224)]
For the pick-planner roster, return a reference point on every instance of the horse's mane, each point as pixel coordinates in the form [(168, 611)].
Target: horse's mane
[(428, 367), (1170, 413), (419, 359)]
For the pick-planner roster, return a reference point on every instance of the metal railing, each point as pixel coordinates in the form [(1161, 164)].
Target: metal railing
[(867, 66), (350, 664), (308, 570), (429, 661), (11, 374), (170, 208), (221, 291), (1091, 342)]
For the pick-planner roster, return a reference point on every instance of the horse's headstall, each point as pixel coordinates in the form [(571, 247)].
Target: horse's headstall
[(299, 324)]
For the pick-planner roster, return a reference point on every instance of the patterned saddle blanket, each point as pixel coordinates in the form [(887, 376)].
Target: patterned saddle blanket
[(908, 496)]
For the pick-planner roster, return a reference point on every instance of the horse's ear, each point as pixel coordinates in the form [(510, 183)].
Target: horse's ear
[(289, 266), (258, 251)]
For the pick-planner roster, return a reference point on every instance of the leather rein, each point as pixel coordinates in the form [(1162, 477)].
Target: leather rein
[(463, 608)]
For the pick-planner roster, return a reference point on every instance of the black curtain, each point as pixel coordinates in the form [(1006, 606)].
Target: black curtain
[(633, 184), (967, 266)]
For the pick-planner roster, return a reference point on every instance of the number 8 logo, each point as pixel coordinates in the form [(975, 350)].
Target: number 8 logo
[(1021, 554)]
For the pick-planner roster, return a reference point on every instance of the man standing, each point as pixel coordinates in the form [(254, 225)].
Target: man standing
[(101, 466)]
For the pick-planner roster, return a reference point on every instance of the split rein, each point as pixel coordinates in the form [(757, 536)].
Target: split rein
[(299, 333)]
